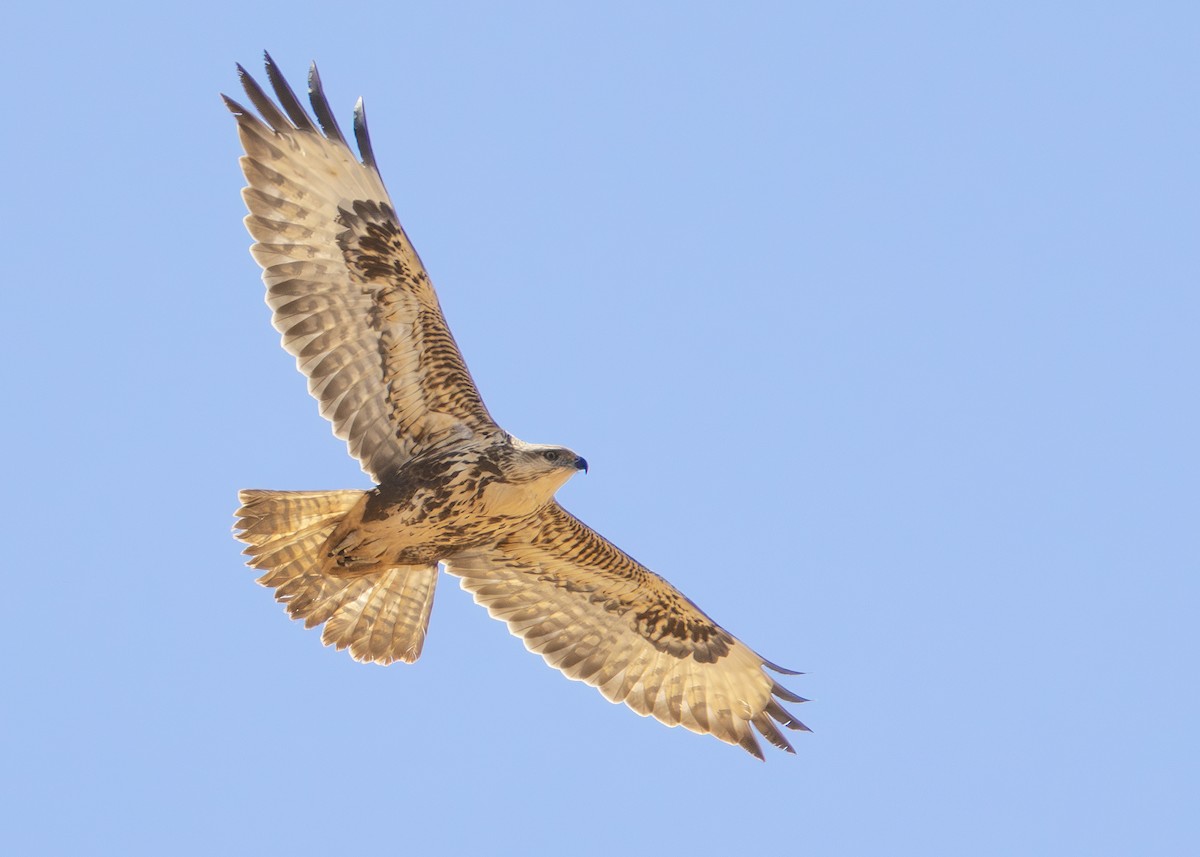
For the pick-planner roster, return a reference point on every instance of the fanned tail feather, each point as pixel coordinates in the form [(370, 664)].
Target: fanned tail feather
[(380, 616)]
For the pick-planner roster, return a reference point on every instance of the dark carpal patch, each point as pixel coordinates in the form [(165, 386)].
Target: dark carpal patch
[(376, 247), (670, 632)]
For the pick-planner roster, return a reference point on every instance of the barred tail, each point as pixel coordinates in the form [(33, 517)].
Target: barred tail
[(381, 616)]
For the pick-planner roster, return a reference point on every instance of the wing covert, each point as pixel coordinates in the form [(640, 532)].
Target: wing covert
[(597, 615), (347, 290)]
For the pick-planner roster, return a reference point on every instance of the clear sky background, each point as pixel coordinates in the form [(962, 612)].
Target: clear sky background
[(878, 324)]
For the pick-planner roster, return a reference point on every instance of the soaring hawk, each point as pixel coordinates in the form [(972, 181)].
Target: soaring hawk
[(355, 306)]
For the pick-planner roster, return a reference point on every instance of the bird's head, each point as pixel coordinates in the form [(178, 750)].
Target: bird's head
[(540, 461), (532, 472)]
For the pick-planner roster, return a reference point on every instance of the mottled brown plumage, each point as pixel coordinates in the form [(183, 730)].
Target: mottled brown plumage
[(356, 308)]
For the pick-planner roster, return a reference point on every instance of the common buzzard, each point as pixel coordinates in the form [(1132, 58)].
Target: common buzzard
[(355, 306)]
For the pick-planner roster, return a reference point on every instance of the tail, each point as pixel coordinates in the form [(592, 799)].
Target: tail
[(381, 616)]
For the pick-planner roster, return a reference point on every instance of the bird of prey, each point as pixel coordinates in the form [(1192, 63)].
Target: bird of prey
[(356, 308)]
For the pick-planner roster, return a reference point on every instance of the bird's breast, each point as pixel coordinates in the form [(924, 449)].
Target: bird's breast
[(437, 508)]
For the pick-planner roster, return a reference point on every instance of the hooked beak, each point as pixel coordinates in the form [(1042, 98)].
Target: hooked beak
[(581, 463)]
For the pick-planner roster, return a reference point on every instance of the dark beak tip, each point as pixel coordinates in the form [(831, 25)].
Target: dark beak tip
[(581, 463)]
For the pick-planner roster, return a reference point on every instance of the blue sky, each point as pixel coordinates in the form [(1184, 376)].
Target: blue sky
[(877, 324)]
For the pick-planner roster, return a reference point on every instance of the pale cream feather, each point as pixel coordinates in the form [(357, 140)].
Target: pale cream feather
[(381, 617)]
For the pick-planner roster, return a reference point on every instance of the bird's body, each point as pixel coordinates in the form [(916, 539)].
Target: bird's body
[(446, 501), (356, 307)]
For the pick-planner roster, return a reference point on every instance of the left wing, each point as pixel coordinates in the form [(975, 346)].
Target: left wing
[(599, 616), (347, 291)]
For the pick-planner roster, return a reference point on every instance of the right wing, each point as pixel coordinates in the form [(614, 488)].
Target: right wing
[(346, 288), (600, 617)]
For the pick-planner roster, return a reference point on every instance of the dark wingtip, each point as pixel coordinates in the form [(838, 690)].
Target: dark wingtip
[(766, 727), (783, 693), (361, 134), (320, 105), (270, 113), (287, 99), (234, 108), (750, 745), (781, 670), (784, 717)]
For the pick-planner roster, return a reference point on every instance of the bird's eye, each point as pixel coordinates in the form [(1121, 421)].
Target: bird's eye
[(550, 455)]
